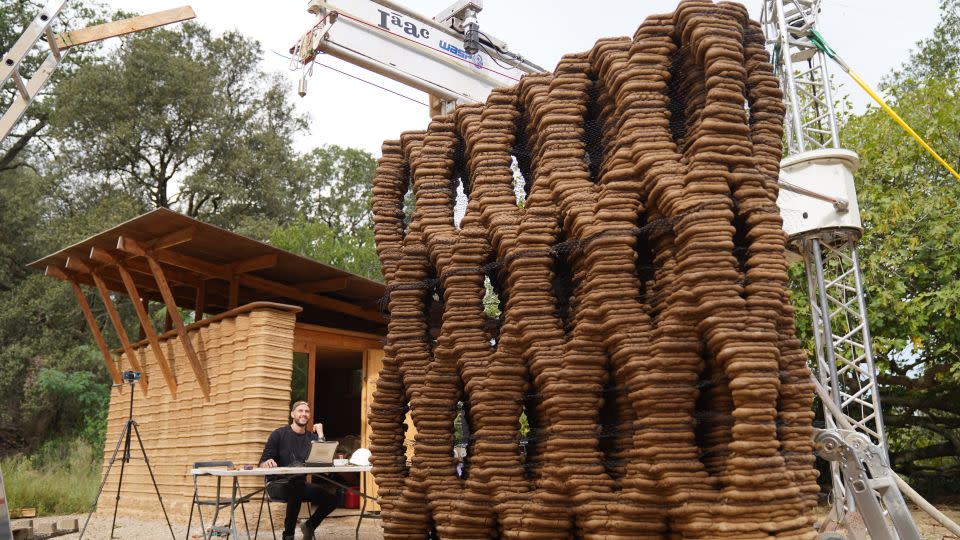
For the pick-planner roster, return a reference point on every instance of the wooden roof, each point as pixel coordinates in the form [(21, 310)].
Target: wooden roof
[(216, 270)]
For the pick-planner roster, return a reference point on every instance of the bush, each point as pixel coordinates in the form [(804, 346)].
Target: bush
[(61, 477)]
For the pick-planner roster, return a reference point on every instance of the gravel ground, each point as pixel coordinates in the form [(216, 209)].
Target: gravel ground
[(341, 528)]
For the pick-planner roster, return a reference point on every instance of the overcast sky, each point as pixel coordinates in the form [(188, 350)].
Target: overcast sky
[(873, 36)]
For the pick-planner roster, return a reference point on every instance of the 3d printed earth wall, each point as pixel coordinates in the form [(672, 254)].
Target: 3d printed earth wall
[(645, 332)]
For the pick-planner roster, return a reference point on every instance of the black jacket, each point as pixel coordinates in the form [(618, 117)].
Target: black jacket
[(287, 447)]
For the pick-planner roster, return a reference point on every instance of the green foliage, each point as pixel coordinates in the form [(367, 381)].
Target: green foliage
[(29, 137), (186, 120), (317, 240), (335, 225), (937, 57), (337, 188), (491, 300), (77, 398), (911, 252), (60, 478), (173, 117)]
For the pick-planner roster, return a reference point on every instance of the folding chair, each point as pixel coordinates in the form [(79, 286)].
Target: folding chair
[(217, 503)]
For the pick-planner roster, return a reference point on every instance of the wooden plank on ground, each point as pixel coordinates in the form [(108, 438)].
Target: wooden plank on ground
[(19, 513), (174, 315), (124, 27)]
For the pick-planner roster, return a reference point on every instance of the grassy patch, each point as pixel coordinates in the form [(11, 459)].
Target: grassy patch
[(60, 478)]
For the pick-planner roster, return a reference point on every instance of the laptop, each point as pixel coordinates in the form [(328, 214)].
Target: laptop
[(321, 453)]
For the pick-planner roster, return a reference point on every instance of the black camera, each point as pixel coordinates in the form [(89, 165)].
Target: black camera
[(131, 376)]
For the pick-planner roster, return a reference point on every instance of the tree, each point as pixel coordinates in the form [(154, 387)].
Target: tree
[(911, 253), (185, 120), (52, 379), (14, 18), (335, 224)]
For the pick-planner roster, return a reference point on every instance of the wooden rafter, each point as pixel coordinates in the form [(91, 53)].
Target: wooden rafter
[(175, 238), (121, 331), (174, 315), (216, 294), (225, 272), (148, 288), (200, 304), (148, 329), (234, 292), (253, 264), (324, 285), (332, 304), (91, 321), (112, 257)]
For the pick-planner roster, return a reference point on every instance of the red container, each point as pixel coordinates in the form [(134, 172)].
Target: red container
[(351, 499)]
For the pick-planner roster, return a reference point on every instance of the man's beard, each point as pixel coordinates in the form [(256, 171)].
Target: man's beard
[(301, 423)]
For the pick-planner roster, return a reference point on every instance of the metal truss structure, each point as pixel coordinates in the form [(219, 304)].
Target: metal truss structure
[(821, 173)]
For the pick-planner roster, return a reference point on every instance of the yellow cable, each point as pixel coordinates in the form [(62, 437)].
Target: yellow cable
[(900, 121)]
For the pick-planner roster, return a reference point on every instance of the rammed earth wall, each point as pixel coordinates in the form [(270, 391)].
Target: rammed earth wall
[(248, 359)]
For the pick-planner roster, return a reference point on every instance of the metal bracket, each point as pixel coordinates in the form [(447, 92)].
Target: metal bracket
[(868, 478)]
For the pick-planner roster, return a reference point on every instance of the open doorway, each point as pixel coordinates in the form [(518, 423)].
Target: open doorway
[(338, 392)]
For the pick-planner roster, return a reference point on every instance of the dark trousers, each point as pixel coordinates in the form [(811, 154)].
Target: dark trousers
[(295, 491)]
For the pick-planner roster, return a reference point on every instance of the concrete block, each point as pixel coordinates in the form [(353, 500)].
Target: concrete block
[(68, 525), (22, 532), (43, 529)]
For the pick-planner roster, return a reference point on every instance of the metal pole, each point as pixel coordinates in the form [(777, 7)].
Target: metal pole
[(123, 461), (791, 86), (828, 97), (113, 458), (821, 297), (868, 350)]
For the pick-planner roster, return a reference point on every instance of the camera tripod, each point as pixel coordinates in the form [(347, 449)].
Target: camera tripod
[(130, 377)]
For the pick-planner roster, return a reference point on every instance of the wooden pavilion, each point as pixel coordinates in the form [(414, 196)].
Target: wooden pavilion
[(268, 327)]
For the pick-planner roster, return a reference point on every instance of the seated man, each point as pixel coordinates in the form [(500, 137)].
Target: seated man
[(288, 446)]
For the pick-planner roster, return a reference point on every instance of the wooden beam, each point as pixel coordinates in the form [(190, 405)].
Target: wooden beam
[(173, 239), (187, 262), (201, 302), (131, 246), (312, 380), (310, 298), (255, 263), (178, 324), (323, 285), (111, 257), (91, 321), (113, 282), (146, 309), (216, 293), (73, 263), (121, 331), (148, 329), (234, 292), (123, 27)]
